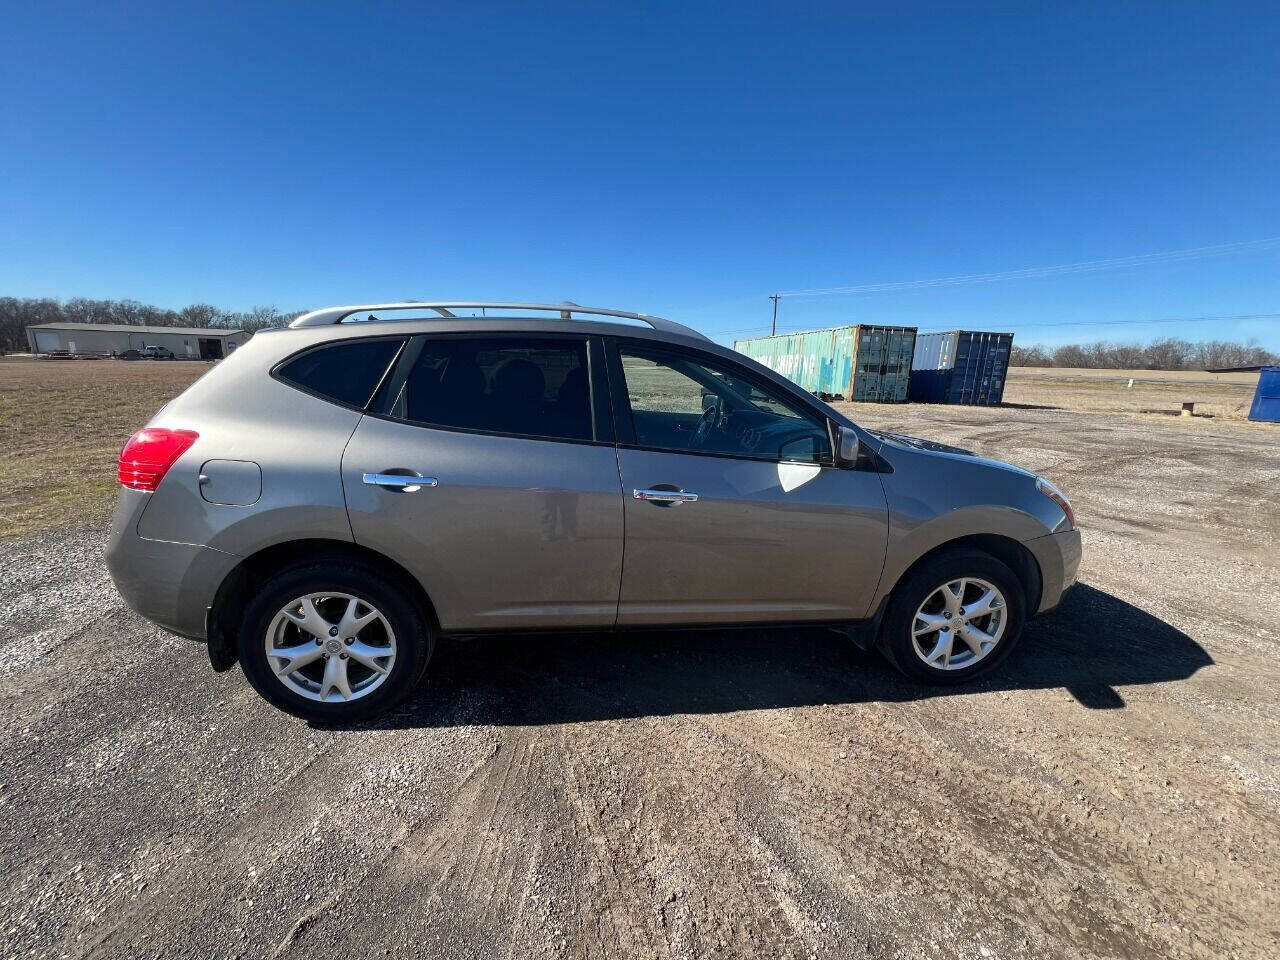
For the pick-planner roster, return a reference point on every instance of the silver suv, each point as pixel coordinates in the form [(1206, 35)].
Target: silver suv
[(331, 498)]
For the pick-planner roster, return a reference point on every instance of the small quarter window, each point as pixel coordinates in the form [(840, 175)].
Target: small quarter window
[(346, 372)]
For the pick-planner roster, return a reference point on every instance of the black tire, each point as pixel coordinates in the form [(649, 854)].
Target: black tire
[(415, 638), (896, 641)]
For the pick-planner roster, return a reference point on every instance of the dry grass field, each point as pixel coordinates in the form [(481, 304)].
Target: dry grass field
[(62, 424), (1224, 396), (1112, 792)]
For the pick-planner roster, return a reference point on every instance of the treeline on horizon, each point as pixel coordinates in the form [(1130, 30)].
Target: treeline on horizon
[(18, 313), (1166, 353)]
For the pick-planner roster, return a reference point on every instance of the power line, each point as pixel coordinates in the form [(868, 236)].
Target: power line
[(1087, 266), (1064, 323)]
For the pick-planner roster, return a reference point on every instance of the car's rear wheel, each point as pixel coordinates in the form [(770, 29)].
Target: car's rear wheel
[(953, 618), (333, 642)]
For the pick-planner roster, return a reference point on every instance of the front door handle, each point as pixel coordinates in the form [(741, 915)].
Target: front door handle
[(404, 482), (670, 497)]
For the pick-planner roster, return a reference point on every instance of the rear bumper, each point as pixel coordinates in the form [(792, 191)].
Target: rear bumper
[(1058, 555), (171, 584)]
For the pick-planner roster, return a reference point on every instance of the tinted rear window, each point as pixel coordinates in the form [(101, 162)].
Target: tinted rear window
[(510, 385), (346, 372)]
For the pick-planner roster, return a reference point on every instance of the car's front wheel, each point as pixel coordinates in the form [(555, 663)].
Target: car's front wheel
[(333, 642), (953, 618)]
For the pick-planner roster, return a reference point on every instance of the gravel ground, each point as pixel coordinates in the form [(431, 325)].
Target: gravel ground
[(1113, 792)]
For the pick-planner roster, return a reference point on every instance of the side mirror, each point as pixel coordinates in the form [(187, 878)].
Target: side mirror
[(849, 446)]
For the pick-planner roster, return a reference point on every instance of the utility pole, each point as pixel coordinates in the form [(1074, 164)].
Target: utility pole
[(775, 298)]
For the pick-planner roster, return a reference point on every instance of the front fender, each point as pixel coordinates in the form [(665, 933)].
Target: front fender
[(909, 541), (936, 498)]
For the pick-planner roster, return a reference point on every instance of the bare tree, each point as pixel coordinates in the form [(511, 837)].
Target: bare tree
[(125, 311), (1221, 353), (12, 325), (1126, 356), (1072, 355), (1033, 356), (1167, 353), (199, 315), (84, 310), (260, 317)]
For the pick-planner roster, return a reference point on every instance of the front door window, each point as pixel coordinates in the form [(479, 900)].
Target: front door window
[(701, 406)]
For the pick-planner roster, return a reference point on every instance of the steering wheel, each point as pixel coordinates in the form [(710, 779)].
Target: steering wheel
[(705, 425)]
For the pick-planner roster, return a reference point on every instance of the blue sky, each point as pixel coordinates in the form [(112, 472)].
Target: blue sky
[(678, 159)]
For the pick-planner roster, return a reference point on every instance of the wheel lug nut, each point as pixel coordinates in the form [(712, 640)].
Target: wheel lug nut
[(333, 631), (349, 641), (343, 656)]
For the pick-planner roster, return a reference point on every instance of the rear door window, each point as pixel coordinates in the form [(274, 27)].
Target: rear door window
[(346, 372), (523, 386)]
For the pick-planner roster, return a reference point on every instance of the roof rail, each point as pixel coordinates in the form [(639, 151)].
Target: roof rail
[(563, 311)]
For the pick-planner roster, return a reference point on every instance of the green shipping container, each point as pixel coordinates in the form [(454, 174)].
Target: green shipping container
[(869, 364)]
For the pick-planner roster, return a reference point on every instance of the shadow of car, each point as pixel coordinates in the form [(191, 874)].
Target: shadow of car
[(1092, 644)]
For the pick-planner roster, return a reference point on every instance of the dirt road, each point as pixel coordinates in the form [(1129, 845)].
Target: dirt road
[(1113, 792)]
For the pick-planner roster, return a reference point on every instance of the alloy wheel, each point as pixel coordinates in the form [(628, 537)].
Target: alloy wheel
[(959, 623), (330, 647)]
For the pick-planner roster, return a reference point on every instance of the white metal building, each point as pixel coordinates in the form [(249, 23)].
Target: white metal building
[(194, 343)]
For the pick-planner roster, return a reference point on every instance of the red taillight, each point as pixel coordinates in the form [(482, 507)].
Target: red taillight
[(149, 453)]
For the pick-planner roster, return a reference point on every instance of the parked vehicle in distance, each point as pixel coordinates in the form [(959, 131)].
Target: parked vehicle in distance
[(153, 352), (331, 498), (130, 355)]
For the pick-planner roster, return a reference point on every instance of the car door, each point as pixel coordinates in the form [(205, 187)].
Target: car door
[(489, 474), (735, 510)]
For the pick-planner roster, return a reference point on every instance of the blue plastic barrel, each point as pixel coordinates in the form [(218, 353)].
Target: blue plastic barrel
[(1266, 399)]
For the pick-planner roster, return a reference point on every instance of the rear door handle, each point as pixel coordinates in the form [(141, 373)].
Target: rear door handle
[(672, 497), (404, 482)]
